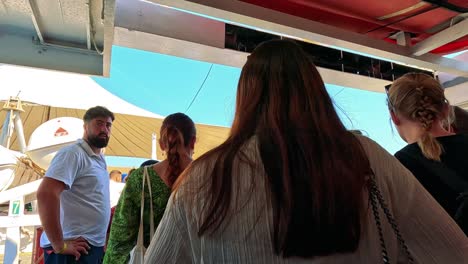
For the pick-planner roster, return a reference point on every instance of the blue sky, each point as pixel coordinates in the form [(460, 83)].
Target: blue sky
[(165, 84)]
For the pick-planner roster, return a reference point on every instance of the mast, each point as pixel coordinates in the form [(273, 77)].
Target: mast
[(14, 108)]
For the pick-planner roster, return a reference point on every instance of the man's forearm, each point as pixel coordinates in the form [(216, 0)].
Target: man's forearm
[(49, 212)]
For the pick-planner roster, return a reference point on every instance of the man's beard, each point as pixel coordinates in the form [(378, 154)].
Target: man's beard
[(98, 142)]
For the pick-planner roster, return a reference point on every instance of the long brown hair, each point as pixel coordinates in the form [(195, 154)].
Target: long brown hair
[(420, 98), (177, 131), (316, 170)]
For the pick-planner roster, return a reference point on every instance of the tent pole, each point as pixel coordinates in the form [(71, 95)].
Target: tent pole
[(154, 154)]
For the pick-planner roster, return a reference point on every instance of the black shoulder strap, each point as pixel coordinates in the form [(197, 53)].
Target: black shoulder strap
[(445, 174)]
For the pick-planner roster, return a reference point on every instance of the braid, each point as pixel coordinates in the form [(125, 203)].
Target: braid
[(425, 113), (174, 141), (177, 131)]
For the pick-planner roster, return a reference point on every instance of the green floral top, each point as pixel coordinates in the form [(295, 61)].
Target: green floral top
[(126, 220)]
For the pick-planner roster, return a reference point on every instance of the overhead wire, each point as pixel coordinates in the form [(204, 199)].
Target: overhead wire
[(199, 89)]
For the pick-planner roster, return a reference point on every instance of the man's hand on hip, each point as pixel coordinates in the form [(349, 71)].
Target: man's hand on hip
[(74, 247)]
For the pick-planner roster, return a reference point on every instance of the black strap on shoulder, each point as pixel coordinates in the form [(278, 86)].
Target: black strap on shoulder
[(445, 174)]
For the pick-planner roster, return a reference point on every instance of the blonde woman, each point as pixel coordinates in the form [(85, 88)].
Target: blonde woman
[(435, 155)]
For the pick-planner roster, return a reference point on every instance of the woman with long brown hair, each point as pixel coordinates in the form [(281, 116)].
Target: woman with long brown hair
[(291, 184), (177, 140)]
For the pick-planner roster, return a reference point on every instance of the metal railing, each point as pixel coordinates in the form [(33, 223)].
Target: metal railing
[(16, 218)]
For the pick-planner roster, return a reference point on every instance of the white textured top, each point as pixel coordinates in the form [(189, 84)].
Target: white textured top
[(431, 235)]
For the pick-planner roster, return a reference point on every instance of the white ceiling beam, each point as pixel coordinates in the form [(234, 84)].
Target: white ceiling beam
[(255, 17), (195, 51), (155, 19), (177, 47), (448, 35)]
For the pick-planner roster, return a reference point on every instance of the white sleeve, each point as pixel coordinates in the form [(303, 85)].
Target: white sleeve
[(171, 242), (64, 167)]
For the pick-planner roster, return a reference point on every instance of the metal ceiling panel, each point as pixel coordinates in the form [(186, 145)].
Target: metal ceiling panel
[(15, 13), (150, 18), (64, 35), (63, 21)]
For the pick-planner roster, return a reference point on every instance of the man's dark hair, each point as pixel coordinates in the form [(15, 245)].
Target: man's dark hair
[(97, 111)]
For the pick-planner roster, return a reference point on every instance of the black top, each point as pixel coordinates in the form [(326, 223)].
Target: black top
[(454, 157)]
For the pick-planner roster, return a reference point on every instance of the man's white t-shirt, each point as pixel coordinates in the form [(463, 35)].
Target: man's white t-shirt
[(85, 202)]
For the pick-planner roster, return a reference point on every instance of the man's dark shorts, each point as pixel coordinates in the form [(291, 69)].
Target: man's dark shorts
[(95, 256)]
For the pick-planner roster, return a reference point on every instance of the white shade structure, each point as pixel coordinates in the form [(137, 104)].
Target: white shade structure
[(58, 89), (48, 95)]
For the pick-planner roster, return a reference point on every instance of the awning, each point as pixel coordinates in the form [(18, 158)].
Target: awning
[(131, 135)]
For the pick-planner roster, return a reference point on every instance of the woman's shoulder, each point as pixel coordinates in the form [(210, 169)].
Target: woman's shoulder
[(409, 153), (156, 181), (134, 184), (371, 147), (138, 173), (381, 161), (136, 177), (208, 161), (456, 142)]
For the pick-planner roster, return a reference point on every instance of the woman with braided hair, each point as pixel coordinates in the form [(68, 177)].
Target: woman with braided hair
[(177, 140), (434, 154)]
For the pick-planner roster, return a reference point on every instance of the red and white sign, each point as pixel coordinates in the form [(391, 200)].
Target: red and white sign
[(61, 132)]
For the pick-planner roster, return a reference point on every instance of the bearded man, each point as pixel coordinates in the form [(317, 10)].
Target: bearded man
[(73, 198)]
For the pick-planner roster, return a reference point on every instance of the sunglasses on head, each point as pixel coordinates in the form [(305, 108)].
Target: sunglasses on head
[(387, 87)]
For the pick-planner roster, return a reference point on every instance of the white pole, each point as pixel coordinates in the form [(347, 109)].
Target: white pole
[(19, 131), (11, 128), (154, 154), (5, 132)]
